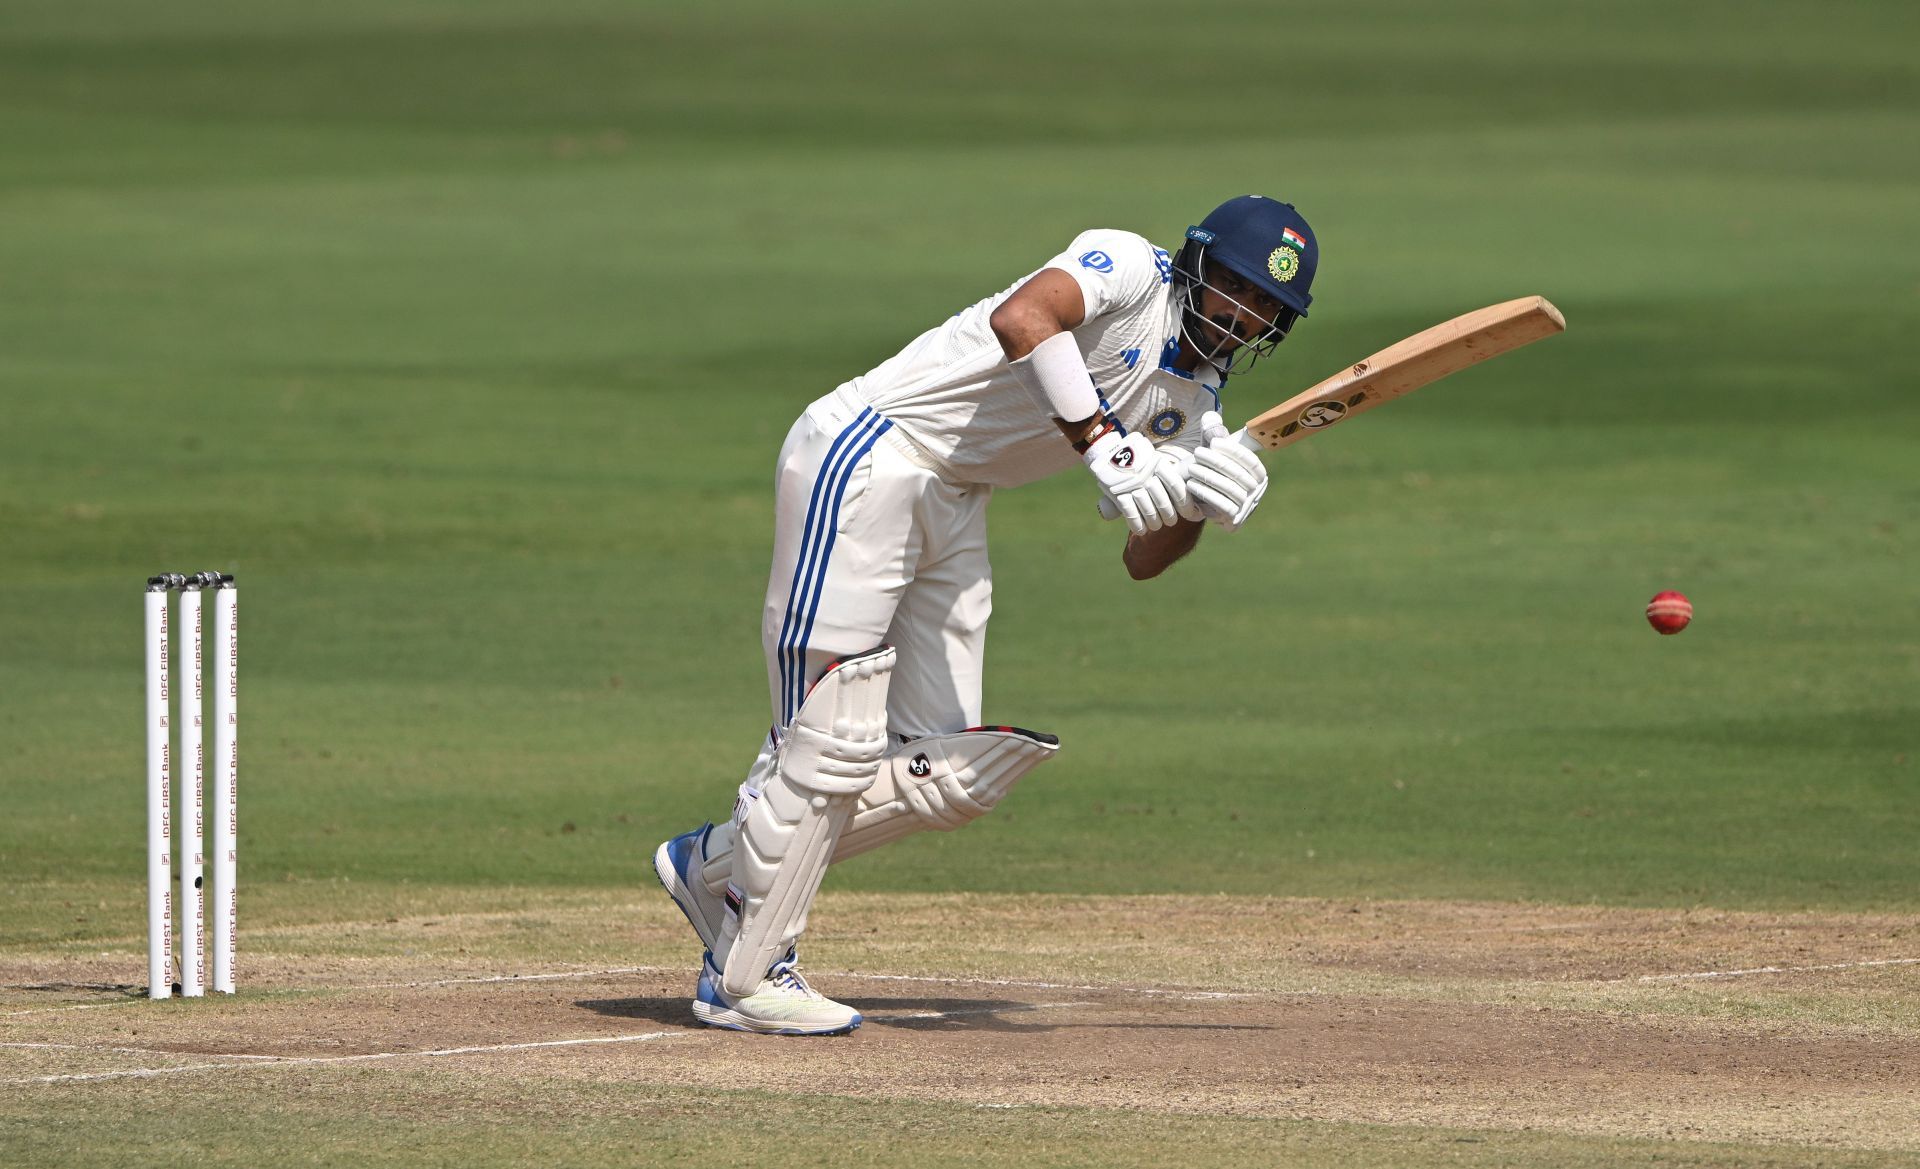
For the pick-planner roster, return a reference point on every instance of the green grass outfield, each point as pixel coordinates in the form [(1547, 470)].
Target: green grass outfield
[(466, 335), (479, 1124)]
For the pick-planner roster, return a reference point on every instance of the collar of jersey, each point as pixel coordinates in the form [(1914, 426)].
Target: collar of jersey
[(1171, 350)]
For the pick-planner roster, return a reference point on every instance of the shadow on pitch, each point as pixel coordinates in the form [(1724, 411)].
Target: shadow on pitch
[(676, 1011), (922, 1014)]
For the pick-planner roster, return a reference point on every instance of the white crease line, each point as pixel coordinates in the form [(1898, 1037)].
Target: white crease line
[(856, 975), (313, 1060), (68, 1007), (1770, 970), (119, 1050), (1155, 992), (134, 1073), (567, 975), (133, 1051), (564, 974), (245, 1060), (1010, 1008)]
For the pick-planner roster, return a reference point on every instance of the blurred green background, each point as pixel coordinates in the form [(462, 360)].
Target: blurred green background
[(466, 334)]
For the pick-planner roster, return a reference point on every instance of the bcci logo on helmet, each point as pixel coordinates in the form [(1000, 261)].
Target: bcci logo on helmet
[(1283, 263)]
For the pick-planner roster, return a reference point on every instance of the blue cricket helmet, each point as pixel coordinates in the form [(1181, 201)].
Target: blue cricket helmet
[(1266, 241)]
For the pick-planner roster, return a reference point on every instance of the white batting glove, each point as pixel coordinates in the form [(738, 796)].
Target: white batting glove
[(1182, 460), (1225, 479), (1146, 486)]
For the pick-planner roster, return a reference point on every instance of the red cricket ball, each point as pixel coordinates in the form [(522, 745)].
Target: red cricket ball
[(1669, 611)]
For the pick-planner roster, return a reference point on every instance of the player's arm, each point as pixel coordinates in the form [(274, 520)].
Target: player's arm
[(1034, 326), (1049, 304), (1151, 553), (1225, 481)]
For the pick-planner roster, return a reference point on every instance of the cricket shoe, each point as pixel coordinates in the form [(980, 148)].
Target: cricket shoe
[(677, 863), (782, 1005)]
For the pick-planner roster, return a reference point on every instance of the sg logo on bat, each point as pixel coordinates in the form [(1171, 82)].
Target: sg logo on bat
[(1321, 415)]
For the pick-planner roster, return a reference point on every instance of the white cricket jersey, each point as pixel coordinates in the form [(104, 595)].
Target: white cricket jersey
[(953, 395)]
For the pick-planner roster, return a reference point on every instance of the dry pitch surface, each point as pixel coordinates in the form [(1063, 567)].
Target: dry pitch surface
[(1743, 1038)]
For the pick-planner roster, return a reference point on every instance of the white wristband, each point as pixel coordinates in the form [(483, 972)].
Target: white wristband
[(1056, 375)]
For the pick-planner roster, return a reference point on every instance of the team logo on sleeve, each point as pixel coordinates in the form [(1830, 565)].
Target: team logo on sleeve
[(1167, 423), (1098, 261), (1283, 263)]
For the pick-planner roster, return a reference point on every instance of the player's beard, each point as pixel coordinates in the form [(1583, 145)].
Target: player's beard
[(1229, 345)]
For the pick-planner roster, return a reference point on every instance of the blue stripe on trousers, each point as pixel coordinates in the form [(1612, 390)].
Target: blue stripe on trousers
[(806, 543), (832, 531), (809, 542)]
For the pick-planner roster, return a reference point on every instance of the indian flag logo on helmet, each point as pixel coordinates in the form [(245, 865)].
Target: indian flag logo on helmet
[(1283, 263), (1293, 238)]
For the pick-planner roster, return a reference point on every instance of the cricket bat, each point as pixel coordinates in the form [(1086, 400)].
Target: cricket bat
[(1397, 370), (1404, 367)]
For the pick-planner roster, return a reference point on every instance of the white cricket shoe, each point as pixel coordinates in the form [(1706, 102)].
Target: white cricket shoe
[(677, 863), (782, 1005)]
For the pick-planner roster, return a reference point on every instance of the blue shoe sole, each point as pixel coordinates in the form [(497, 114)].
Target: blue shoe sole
[(660, 872)]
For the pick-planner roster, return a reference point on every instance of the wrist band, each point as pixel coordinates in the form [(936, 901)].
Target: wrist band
[(1056, 375)]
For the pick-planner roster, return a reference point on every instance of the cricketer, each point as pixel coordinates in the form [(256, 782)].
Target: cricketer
[(1110, 358)]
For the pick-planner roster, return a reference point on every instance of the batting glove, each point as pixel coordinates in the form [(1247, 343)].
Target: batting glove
[(1146, 486), (1225, 479)]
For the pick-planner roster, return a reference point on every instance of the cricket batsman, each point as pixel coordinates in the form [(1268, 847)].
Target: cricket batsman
[(1107, 362)]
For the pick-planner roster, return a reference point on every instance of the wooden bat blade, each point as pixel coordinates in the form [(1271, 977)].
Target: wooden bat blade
[(1405, 366)]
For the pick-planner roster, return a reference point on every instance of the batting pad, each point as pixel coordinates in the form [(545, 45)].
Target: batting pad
[(942, 782), (829, 754), (939, 782)]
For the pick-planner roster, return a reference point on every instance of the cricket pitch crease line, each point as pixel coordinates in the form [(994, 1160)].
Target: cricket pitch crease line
[(1152, 992), (840, 974), (549, 977), (1008, 1009), (238, 1060), (245, 1061), (68, 1007), (1155, 992), (1705, 974), (567, 975)]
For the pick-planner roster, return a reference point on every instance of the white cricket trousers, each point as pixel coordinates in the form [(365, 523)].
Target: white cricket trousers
[(871, 546)]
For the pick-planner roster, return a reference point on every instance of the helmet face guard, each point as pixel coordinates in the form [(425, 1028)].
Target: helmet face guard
[(1231, 350), (1269, 245)]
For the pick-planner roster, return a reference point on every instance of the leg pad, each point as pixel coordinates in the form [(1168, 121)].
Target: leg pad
[(938, 782), (942, 782), (785, 833)]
